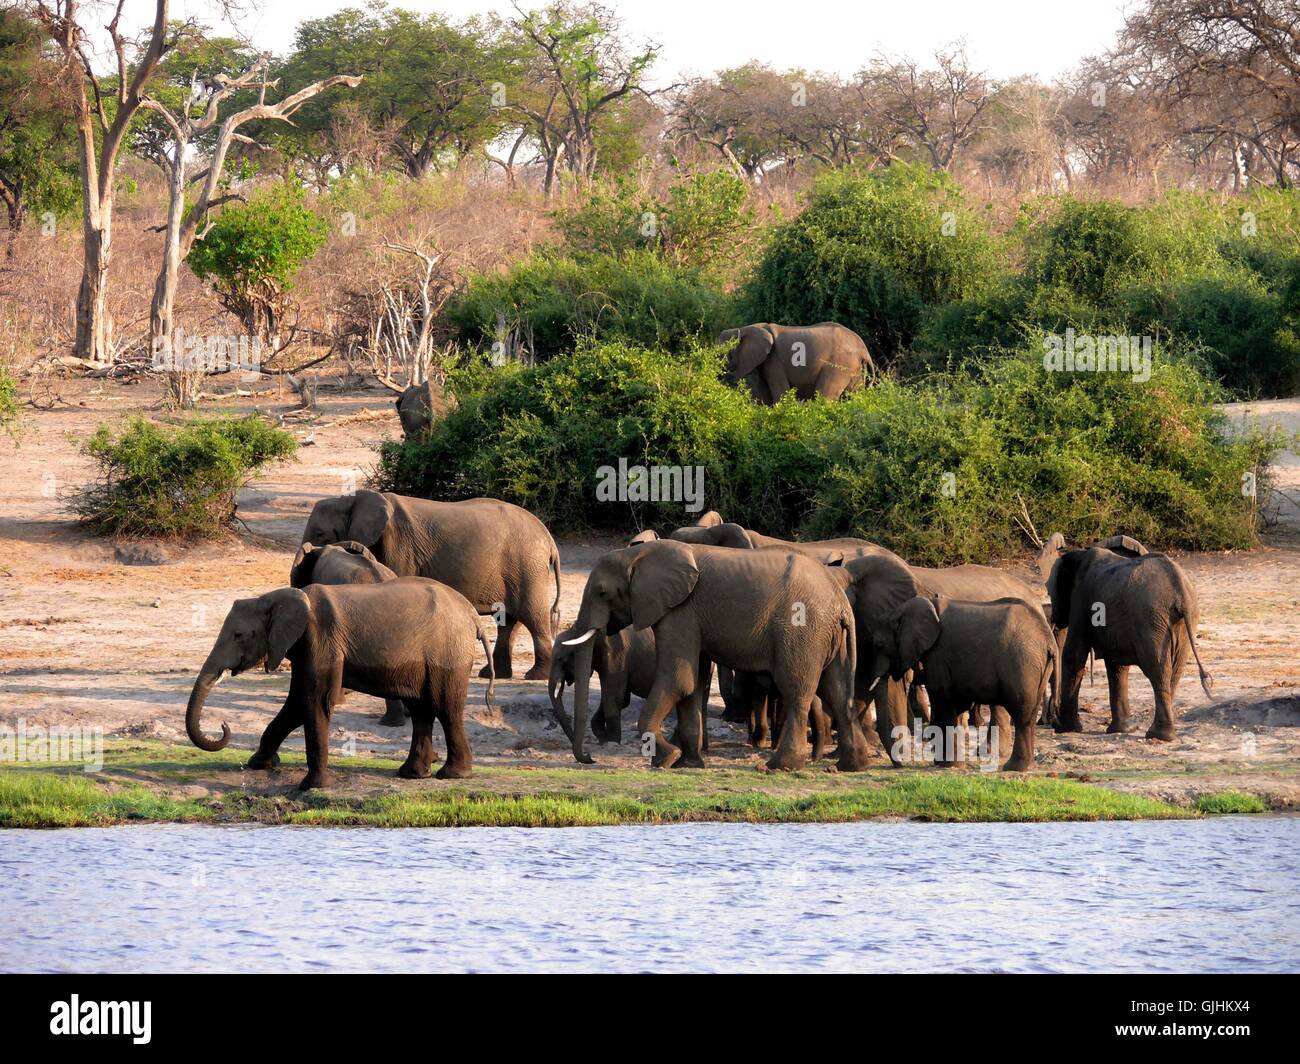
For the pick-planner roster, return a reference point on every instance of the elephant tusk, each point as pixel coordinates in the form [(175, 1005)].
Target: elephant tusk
[(221, 676), (579, 639)]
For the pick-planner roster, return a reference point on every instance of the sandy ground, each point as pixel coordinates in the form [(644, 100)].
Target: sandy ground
[(111, 634)]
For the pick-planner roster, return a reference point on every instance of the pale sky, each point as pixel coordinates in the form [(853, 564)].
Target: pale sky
[(1003, 37)]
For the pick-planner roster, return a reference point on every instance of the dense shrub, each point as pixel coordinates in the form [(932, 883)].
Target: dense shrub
[(175, 481), (555, 299), (10, 407), (1087, 454), (698, 220), (871, 252)]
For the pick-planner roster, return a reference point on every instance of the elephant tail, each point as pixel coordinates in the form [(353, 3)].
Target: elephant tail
[(492, 675), (555, 606), (1054, 695), (1207, 681)]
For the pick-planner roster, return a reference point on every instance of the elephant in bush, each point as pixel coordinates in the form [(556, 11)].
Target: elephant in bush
[(625, 663), (881, 582), (419, 406), (753, 611), (496, 554), (999, 653), (348, 562), (824, 359), (408, 638), (1127, 609)]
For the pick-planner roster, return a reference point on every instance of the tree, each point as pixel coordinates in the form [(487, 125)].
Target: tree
[(577, 72), (38, 168), (197, 116), (424, 92), (1230, 69), (102, 110)]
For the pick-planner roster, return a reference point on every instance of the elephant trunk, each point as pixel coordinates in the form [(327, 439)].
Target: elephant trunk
[(555, 688), (582, 698), (208, 677)]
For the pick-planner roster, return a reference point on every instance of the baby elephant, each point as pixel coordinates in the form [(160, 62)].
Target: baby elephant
[(625, 663), (348, 562), (999, 653), (409, 638)]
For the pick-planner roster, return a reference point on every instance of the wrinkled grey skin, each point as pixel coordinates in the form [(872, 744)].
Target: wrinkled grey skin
[(419, 406), (345, 563), (1126, 547), (999, 653), (882, 582), (496, 554), (831, 361), (754, 611), (746, 703), (1150, 619), (625, 663), (407, 638)]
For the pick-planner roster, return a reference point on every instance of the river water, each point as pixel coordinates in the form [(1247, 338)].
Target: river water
[(1218, 895)]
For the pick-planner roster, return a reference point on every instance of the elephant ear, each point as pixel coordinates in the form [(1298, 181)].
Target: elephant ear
[(1052, 549), (304, 565), (648, 535), (359, 549), (712, 518), (289, 609), (1060, 585), (663, 576), (371, 513), (1126, 546), (918, 628), (881, 582), (755, 345)]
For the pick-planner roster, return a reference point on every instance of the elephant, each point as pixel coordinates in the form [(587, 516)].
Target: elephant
[(494, 553), (777, 612), (824, 359), (880, 582), (348, 562), (407, 638), (625, 663), (419, 406), (999, 653), (1127, 609)]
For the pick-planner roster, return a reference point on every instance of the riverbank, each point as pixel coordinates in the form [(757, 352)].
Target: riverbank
[(105, 637), (161, 782)]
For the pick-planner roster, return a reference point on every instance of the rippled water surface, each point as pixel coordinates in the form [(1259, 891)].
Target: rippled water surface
[(1157, 896)]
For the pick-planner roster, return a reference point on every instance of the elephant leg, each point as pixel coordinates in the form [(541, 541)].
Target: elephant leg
[(735, 710), (676, 679), (1073, 662), (395, 713), (759, 723), (702, 689), (1022, 754), (501, 652), (289, 718), (450, 704), (918, 703), (316, 724), (891, 716), (536, 617), (791, 751), (1162, 724), (688, 735), (1117, 680), (821, 726), (419, 759), (1000, 719)]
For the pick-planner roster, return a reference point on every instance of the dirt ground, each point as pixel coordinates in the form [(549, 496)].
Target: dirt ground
[(109, 634)]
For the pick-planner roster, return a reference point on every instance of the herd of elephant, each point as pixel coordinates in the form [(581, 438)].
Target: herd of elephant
[(811, 641)]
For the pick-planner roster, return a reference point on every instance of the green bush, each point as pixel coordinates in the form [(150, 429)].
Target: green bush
[(872, 252), (10, 405), (176, 481), (1087, 454), (557, 299)]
